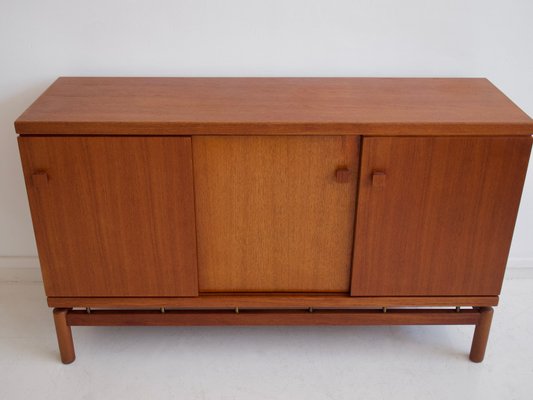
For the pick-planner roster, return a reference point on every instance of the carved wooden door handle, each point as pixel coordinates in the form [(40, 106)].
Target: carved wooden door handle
[(378, 179), (342, 175), (39, 179)]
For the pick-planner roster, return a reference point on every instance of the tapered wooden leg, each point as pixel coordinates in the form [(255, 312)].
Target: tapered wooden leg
[(64, 336), (481, 334)]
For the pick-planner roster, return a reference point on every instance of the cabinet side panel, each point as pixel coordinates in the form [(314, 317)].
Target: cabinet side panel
[(436, 215), (273, 215), (113, 216)]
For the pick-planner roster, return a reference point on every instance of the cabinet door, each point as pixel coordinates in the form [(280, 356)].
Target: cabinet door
[(436, 215), (273, 215), (113, 216)]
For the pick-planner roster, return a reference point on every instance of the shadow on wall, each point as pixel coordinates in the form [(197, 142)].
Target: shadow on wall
[(16, 233), (12, 106)]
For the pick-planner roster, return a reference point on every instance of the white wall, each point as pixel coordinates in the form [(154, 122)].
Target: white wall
[(40, 40)]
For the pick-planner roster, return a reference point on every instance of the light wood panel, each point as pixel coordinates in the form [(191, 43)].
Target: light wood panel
[(271, 215), (113, 216), (436, 215), (248, 106)]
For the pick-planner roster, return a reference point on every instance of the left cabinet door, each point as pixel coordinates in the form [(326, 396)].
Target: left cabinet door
[(113, 216)]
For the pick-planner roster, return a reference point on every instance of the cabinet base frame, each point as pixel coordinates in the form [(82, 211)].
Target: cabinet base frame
[(65, 318), (273, 300)]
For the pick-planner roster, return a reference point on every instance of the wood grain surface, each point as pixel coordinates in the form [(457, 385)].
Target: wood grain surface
[(64, 336), (114, 216), (271, 215), (271, 301), (481, 334), (271, 106), (441, 220), (261, 318)]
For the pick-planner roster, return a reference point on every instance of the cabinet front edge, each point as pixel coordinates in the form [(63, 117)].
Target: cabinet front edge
[(244, 128)]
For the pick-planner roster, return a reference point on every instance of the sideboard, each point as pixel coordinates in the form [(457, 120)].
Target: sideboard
[(273, 201)]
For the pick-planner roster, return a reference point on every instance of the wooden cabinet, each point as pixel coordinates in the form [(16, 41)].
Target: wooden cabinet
[(436, 214), (350, 201), (113, 216), (272, 215)]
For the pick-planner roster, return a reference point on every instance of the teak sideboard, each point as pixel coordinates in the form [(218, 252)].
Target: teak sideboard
[(273, 201)]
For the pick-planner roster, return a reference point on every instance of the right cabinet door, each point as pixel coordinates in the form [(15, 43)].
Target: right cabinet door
[(435, 215)]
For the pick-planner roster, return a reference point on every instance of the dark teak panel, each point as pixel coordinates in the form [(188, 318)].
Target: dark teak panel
[(436, 215), (113, 216)]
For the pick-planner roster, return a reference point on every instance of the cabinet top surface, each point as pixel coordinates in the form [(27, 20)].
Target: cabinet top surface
[(190, 106)]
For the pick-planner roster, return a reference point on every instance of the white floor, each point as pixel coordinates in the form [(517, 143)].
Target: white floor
[(263, 363)]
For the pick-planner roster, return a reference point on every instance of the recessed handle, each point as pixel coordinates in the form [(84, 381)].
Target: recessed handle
[(378, 179), (342, 175), (39, 179)]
